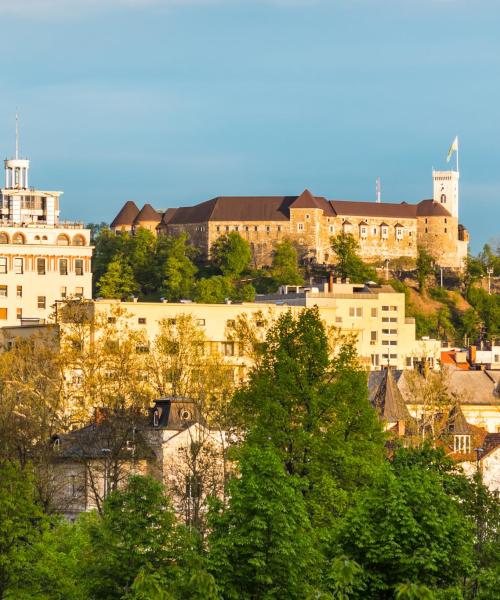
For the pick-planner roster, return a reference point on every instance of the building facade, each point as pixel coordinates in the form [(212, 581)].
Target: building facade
[(42, 259), (384, 231)]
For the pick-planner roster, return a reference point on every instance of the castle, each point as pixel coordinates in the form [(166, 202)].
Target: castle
[(384, 231)]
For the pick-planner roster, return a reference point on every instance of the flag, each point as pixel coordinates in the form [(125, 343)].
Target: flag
[(453, 148)]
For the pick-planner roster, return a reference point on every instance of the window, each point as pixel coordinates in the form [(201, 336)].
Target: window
[(409, 361), (19, 291), (279, 227), (247, 228), (331, 229), (218, 228), (394, 355), (374, 312), (300, 226), (18, 266), (259, 323), (384, 231), (62, 240), (73, 488), (374, 231), (3, 264), (4, 238), (446, 230), (142, 349), (3, 290), (78, 240), (19, 313), (193, 486), (236, 228), (373, 337), (79, 292), (461, 443), (399, 233), (41, 302), (375, 360), (268, 228), (156, 418), (63, 292), (111, 319), (308, 217), (443, 198), (40, 266), (255, 227), (446, 220), (228, 348), (338, 319), (141, 320), (78, 266), (394, 308), (227, 227), (200, 322), (18, 238), (426, 231), (384, 308), (63, 266), (363, 232), (3, 314)]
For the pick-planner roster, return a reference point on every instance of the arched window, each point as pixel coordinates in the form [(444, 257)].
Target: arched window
[(62, 240), (4, 238), (37, 238), (44, 238), (78, 240), (18, 238), (443, 198)]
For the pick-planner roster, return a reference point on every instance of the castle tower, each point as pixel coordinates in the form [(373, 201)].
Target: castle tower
[(446, 190)]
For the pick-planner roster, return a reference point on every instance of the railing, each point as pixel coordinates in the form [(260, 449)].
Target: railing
[(44, 225)]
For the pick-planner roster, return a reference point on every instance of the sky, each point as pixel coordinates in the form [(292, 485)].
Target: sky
[(174, 102)]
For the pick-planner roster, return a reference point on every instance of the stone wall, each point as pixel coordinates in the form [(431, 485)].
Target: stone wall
[(439, 236)]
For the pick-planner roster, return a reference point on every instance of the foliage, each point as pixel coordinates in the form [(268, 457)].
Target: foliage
[(231, 254), (118, 280), (488, 309), (214, 290), (21, 518), (425, 268), (262, 546), (285, 266), (173, 257), (349, 264)]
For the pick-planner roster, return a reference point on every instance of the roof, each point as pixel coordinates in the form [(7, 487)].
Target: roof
[(449, 357), (373, 209), (127, 214), (473, 387), (457, 423), (167, 215), (146, 214), (429, 208), (387, 399), (307, 200), (236, 208), (175, 413), (490, 444)]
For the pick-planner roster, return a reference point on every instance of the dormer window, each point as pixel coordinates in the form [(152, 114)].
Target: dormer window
[(363, 231), (156, 418), (384, 232), (461, 444), (399, 233)]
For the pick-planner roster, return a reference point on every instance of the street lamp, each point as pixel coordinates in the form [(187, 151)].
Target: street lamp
[(489, 270)]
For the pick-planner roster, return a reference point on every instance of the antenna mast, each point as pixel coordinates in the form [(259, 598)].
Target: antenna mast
[(17, 136), (378, 189)]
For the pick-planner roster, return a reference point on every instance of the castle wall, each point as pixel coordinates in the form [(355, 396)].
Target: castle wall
[(439, 236)]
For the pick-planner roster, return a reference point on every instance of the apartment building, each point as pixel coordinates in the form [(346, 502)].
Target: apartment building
[(42, 259)]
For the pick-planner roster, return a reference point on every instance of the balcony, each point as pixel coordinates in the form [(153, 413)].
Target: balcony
[(43, 225)]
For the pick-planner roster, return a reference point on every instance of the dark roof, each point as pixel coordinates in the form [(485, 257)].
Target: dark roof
[(457, 423), (307, 200), (236, 208), (167, 215), (127, 214), (491, 442), (429, 208), (175, 413), (373, 209), (387, 399), (147, 213)]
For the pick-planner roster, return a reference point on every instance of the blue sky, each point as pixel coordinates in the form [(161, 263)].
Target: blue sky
[(175, 101)]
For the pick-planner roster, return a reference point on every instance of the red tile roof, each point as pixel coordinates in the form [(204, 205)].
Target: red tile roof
[(373, 209), (429, 208)]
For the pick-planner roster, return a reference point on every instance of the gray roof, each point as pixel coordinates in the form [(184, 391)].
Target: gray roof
[(386, 397)]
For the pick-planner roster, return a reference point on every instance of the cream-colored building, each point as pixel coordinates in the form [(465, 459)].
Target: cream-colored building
[(42, 259), (374, 315)]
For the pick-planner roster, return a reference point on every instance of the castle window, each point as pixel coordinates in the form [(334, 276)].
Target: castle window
[(399, 233), (300, 226), (445, 220), (268, 228), (308, 217), (255, 227), (218, 228), (227, 227), (426, 230), (247, 227), (374, 231), (426, 220), (443, 198), (363, 232), (236, 228), (384, 232), (446, 230), (331, 229), (279, 227)]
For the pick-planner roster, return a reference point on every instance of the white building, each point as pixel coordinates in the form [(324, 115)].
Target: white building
[(41, 259)]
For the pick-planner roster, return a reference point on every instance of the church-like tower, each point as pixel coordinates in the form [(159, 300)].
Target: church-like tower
[(445, 184)]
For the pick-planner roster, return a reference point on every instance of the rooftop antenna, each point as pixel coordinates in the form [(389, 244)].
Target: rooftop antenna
[(378, 189), (17, 136)]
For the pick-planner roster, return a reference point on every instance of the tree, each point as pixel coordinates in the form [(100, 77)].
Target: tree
[(177, 271), (214, 290), (231, 254), (349, 264), (21, 517), (424, 268), (285, 267), (314, 411), (262, 545), (137, 533), (408, 527), (118, 280)]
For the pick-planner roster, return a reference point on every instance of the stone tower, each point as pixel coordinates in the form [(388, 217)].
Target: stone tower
[(446, 190)]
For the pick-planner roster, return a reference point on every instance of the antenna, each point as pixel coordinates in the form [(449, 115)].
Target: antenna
[(378, 189), (17, 136)]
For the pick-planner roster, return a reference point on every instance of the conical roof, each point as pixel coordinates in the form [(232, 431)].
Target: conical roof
[(457, 423), (305, 200), (127, 214), (147, 214), (388, 401)]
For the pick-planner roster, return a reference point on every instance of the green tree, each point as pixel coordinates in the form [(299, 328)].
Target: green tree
[(21, 518), (314, 411), (262, 546), (424, 268), (177, 271), (139, 253), (107, 246), (349, 264), (231, 254), (118, 280), (214, 290), (410, 526), (285, 267), (138, 531)]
